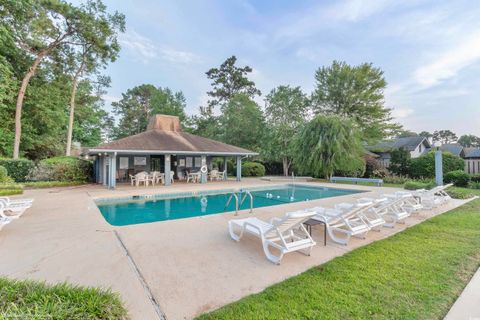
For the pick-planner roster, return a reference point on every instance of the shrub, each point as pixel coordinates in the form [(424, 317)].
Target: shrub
[(4, 178), (474, 185), (400, 162), (62, 169), (415, 185), (396, 179), (253, 169), (458, 177), (17, 169), (475, 178), (424, 166)]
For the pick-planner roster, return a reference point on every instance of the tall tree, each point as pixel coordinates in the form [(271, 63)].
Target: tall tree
[(444, 136), (329, 144), (140, 103), (355, 92), (469, 140), (244, 123), (93, 49), (228, 81), (286, 111), (39, 28)]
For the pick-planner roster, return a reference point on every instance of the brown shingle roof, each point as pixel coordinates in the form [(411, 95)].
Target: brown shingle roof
[(170, 141)]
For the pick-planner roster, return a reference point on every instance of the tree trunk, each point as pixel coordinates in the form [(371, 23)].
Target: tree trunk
[(285, 166), (72, 115), (21, 96)]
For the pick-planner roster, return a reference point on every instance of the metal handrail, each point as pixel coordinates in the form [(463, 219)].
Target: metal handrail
[(236, 202), (247, 193)]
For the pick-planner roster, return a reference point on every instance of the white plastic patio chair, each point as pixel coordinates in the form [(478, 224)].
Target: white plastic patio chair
[(286, 234), (391, 209), (409, 202), (141, 177), (213, 174), (4, 221), (14, 208), (348, 223), (434, 197), (372, 218)]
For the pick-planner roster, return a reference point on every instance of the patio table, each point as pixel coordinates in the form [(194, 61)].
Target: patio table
[(313, 222)]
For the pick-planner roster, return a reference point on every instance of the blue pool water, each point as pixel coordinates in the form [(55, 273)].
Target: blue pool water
[(134, 210)]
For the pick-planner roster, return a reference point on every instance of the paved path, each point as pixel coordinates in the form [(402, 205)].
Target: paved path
[(467, 306)]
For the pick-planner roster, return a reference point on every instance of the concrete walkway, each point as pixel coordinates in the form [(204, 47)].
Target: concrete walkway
[(467, 306), (190, 265)]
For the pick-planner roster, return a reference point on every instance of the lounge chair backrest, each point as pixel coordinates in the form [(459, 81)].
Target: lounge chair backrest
[(293, 219)]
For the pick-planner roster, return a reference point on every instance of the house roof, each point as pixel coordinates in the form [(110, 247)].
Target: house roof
[(472, 152), (454, 148), (161, 141), (407, 143)]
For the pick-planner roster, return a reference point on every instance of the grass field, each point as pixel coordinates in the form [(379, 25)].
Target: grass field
[(36, 300), (416, 274)]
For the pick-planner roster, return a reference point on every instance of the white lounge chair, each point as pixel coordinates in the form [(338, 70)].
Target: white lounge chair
[(4, 222), (409, 202), (390, 209), (434, 197), (348, 223), (286, 234), (8, 200), (13, 208), (372, 218)]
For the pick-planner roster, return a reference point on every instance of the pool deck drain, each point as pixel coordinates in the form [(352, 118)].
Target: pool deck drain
[(142, 280)]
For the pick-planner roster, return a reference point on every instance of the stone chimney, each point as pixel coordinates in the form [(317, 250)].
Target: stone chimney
[(164, 122)]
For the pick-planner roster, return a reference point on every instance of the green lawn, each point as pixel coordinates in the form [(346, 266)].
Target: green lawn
[(35, 300), (416, 274)]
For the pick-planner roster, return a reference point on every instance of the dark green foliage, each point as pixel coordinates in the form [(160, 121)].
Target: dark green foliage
[(26, 299), (63, 169), (400, 162), (138, 104), (329, 144), (228, 81), (242, 123), (415, 185), (17, 169), (475, 177), (415, 274), (469, 140), (355, 92), (458, 177), (4, 178), (252, 169), (424, 166), (444, 136)]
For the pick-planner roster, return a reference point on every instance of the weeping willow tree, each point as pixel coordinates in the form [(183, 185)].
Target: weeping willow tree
[(329, 144)]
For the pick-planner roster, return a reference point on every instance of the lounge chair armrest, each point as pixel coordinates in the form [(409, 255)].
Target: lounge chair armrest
[(275, 219)]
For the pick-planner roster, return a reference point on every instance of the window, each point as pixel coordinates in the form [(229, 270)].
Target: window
[(420, 148), (198, 161), (189, 162)]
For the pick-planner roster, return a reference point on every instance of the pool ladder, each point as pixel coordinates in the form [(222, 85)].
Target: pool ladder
[(242, 200)]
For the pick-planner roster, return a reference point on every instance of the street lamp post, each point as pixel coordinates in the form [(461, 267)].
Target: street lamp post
[(438, 164)]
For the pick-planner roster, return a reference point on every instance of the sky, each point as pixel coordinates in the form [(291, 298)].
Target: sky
[(429, 50)]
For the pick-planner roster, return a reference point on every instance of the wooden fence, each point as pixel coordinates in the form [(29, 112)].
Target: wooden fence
[(472, 166)]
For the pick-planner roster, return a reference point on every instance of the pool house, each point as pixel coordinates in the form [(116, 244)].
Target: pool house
[(164, 148)]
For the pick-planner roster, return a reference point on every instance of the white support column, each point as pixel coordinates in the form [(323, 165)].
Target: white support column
[(203, 178), (105, 166), (225, 168), (113, 171), (239, 168), (167, 170)]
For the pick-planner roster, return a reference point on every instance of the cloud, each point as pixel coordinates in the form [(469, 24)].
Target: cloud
[(356, 10), (401, 113), (146, 50), (449, 63)]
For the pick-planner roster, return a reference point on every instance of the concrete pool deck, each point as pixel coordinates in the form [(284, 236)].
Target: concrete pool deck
[(190, 265)]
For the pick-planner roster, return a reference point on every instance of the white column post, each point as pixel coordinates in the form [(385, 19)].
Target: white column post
[(203, 178), (225, 168), (239, 168), (113, 171), (167, 170)]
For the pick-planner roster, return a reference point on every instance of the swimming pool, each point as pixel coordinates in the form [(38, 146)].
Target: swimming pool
[(144, 209)]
